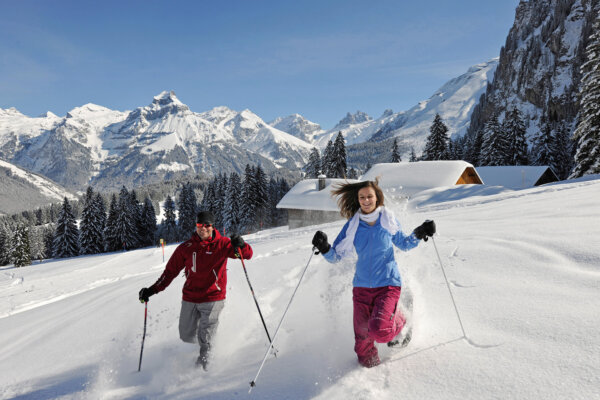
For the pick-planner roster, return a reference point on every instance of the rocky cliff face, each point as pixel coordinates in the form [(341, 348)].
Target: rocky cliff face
[(539, 65)]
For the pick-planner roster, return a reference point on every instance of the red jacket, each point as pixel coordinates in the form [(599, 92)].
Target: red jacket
[(205, 263)]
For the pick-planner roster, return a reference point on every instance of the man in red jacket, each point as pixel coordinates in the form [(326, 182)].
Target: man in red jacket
[(204, 258)]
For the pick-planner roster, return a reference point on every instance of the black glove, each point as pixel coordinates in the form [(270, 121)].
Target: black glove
[(320, 242), (425, 230), (237, 241), (145, 294)]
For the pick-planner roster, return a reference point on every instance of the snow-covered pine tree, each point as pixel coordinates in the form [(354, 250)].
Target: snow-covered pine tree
[(48, 233), (220, 193), (66, 235), (436, 147), (136, 215), (515, 130), (543, 151), (261, 199), (561, 144), (4, 244), (313, 167), (352, 173), (187, 211), (327, 160), (90, 235), (148, 232), (21, 252), (248, 204), (413, 155), (231, 211), (339, 163), (125, 227), (495, 146), (281, 215), (36, 241), (587, 132), (396, 152), (99, 219), (169, 223), (111, 239)]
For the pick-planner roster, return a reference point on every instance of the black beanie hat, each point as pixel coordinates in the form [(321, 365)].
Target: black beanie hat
[(205, 217)]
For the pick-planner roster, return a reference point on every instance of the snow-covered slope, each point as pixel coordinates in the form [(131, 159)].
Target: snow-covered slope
[(22, 190), (522, 267)]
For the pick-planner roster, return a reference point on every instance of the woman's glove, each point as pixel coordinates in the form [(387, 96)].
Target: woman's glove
[(425, 230), (320, 242)]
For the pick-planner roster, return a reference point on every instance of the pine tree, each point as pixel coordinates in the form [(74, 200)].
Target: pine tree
[(313, 167), (515, 130), (436, 147), (233, 198), (495, 146), (90, 237), (261, 197), (187, 211), (135, 208), (338, 162), (587, 132), (220, 193), (352, 174), (169, 224), (561, 145), (413, 155), (543, 152), (21, 253), (66, 235), (4, 245), (327, 160), (126, 227), (248, 205), (111, 239), (36, 241), (396, 152), (148, 230)]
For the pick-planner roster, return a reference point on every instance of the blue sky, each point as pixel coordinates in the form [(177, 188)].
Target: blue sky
[(320, 59)]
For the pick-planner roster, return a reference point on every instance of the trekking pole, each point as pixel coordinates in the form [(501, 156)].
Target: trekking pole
[(253, 383), (144, 336), (449, 290), (256, 301)]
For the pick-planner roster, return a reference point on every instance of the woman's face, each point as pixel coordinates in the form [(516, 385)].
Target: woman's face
[(367, 200)]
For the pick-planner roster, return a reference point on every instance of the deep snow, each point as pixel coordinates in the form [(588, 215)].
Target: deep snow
[(524, 268)]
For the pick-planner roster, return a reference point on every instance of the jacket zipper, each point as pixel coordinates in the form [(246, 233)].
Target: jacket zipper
[(194, 262)]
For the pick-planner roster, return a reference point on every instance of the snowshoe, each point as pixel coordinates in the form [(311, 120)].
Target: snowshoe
[(402, 340)]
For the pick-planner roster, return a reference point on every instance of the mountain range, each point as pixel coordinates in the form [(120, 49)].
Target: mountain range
[(94, 145)]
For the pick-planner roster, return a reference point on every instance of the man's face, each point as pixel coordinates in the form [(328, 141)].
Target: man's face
[(205, 231)]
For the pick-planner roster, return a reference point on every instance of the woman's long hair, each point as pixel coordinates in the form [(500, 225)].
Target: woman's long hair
[(348, 192)]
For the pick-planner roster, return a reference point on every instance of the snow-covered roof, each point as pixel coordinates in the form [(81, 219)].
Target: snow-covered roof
[(306, 196), (414, 177), (514, 177)]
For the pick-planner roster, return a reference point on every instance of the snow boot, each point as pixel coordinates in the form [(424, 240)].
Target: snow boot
[(403, 339), (202, 361)]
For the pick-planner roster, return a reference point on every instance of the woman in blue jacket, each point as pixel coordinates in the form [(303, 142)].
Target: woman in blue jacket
[(371, 232)]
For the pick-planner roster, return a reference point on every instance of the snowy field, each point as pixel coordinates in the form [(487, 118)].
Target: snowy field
[(524, 268)]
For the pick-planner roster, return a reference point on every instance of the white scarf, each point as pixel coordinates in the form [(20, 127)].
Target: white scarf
[(346, 247)]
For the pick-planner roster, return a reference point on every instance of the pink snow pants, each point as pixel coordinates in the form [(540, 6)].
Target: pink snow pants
[(376, 319)]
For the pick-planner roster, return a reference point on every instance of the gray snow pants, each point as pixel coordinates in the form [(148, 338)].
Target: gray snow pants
[(198, 323)]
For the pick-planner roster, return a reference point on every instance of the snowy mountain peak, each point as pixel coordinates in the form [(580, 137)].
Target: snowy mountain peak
[(166, 97), (298, 126), (48, 114), (10, 112), (351, 119)]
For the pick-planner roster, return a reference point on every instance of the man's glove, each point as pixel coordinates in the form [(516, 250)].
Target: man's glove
[(237, 241), (145, 294), (320, 242), (425, 230)]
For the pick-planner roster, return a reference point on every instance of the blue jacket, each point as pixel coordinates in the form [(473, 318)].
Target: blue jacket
[(376, 266)]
